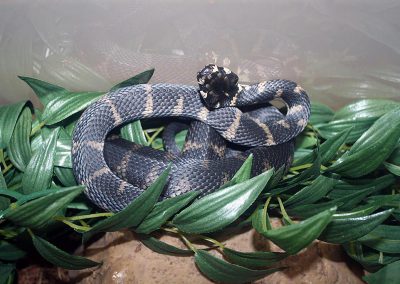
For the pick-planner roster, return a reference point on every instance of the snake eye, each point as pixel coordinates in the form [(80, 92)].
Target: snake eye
[(217, 85)]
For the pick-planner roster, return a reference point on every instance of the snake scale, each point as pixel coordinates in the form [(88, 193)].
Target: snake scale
[(226, 122)]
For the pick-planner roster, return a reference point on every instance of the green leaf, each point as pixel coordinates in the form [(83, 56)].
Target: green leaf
[(359, 126), (19, 149), (221, 208), (8, 118), (37, 213), (328, 150), (394, 169), (253, 259), (360, 211), (134, 132), (372, 148), (295, 237), (305, 141), (163, 248), (10, 252), (343, 230), (65, 105), (371, 108), (320, 113), (4, 202), (164, 210), (305, 175), (351, 200), (243, 174), (62, 157), (39, 171), (309, 210), (344, 188), (6, 273), (387, 275), (59, 257), (65, 175), (135, 212), (46, 92), (312, 193), (372, 260), (260, 219), (219, 270), (383, 238), (142, 78)]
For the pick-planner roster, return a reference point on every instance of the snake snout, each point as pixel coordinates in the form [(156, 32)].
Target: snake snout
[(217, 85)]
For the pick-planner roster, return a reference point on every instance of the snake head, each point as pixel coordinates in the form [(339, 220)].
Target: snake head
[(218, 86)]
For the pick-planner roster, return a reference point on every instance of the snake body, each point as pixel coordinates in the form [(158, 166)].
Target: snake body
[(227, 123)]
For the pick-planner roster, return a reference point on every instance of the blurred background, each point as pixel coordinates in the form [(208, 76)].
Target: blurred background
[(339, 51)]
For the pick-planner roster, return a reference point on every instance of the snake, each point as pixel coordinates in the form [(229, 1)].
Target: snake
[(225, 122)]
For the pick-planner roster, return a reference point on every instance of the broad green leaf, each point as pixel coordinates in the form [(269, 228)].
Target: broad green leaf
[(372, 260), (65, 176), (312, 193), (4, 202), (142, 78), (327, 150), (219, 270), (309, 173), (351, 200), (387, 275), (39, 171), (135, 212), (65, 105), (295, 237), (221, 208), (260, 219), (253, 259), (6, 273), (395, 156), (133, 132), (8, 118), (46, 92), (243, 174), (19, 149), (387, 201), (359, 126), (344, 188), (305, 141), (37, 213), (360, 211), (383, 238), (309, 210), (59, 257), (320, 113), (62, 157), (10, 252), (394, 169), (372, 108), (343, 230), (164, 210), (163, 248), (372, 148)]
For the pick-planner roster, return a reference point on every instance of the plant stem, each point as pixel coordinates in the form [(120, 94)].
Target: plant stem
[(283, 211), (81, 217), (37, 128)]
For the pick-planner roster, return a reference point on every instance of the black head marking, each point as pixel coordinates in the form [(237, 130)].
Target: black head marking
[(217, 85)]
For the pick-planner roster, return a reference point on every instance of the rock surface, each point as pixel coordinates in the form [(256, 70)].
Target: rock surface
[(127, 260)]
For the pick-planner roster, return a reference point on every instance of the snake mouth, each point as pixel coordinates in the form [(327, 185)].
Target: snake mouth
[(218, 86)]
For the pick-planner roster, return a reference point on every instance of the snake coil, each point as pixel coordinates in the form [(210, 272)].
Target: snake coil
[(226, 122)]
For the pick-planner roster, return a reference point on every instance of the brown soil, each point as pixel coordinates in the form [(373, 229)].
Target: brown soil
[(127, 260)]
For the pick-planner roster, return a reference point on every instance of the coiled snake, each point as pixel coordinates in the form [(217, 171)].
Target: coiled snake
[(227, 122)]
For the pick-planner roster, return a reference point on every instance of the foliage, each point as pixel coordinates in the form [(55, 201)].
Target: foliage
[(342, 188)]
